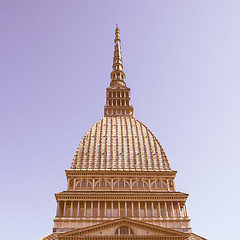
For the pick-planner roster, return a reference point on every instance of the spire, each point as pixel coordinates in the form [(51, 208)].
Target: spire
[(117, 74), (118, 94)]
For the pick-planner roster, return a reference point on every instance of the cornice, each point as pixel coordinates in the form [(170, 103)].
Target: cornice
[(101, 173), (103, 220), (117, 196)]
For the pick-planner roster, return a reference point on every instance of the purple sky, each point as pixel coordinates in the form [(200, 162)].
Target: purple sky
[(182, 61)]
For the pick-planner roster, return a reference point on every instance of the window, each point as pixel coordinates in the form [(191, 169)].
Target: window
[(140, 184), (124, 231), (85, 184), (102, 184), (159, 185), (121, 184)]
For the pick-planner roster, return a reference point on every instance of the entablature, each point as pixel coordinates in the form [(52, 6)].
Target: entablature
[(70, 195), (140, 173)]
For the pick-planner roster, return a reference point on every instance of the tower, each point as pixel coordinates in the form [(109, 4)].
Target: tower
[(120, 183)]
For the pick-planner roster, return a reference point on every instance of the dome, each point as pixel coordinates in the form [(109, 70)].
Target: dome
[(120, 144)]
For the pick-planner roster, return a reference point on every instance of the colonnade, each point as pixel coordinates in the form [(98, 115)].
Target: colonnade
[(118, 94), (121, 111), (118, 102), (106, 209)]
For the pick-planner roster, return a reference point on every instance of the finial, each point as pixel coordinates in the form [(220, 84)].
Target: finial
[(117, 74)]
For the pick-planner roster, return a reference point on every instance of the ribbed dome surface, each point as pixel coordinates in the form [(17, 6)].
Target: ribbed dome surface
[(122, 144)]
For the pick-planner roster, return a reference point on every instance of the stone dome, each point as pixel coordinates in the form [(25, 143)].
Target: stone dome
[(120, 144)]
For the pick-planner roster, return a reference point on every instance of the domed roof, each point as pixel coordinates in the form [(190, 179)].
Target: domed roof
[(120, 144)]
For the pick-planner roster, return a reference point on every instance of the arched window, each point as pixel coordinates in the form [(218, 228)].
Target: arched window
[(102, 184), (84, 184), (159, 185), (124, 231), (140, 184), (121, 184)]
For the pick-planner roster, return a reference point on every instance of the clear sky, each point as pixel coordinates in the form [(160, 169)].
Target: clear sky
[(182, 61)]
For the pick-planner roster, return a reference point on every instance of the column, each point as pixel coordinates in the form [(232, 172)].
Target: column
[(130, 184), (139, 209), (93, 184), (58, 210), (149, 184), (64, 208), (166, 209), (179, 209), (74, 184), (153, 210), (146, 213), (112, 209), (185, 210), (174, 187), (125, 209), (78, 208), (85, 209), (173, 212), (105, 209), (132, 209), (119, 209), (98, 209), (168, 185), (71, 210), (159, 209), (91, 209), (68, 184), (112, 184)]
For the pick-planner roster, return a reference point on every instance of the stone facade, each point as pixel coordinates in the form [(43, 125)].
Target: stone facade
[(120, 184)]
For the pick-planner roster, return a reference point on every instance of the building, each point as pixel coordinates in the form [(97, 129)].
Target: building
[(120, 184)]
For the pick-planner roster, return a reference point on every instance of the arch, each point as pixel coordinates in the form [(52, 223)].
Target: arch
[(83, 184), (121, 184), (140, 184), (160, 184), (102, 184), (123, 231)]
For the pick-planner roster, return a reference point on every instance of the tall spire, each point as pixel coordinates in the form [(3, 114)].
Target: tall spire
[(118, 94), (117, 74)]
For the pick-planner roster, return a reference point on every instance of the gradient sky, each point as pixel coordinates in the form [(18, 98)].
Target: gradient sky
[(182, 61)]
